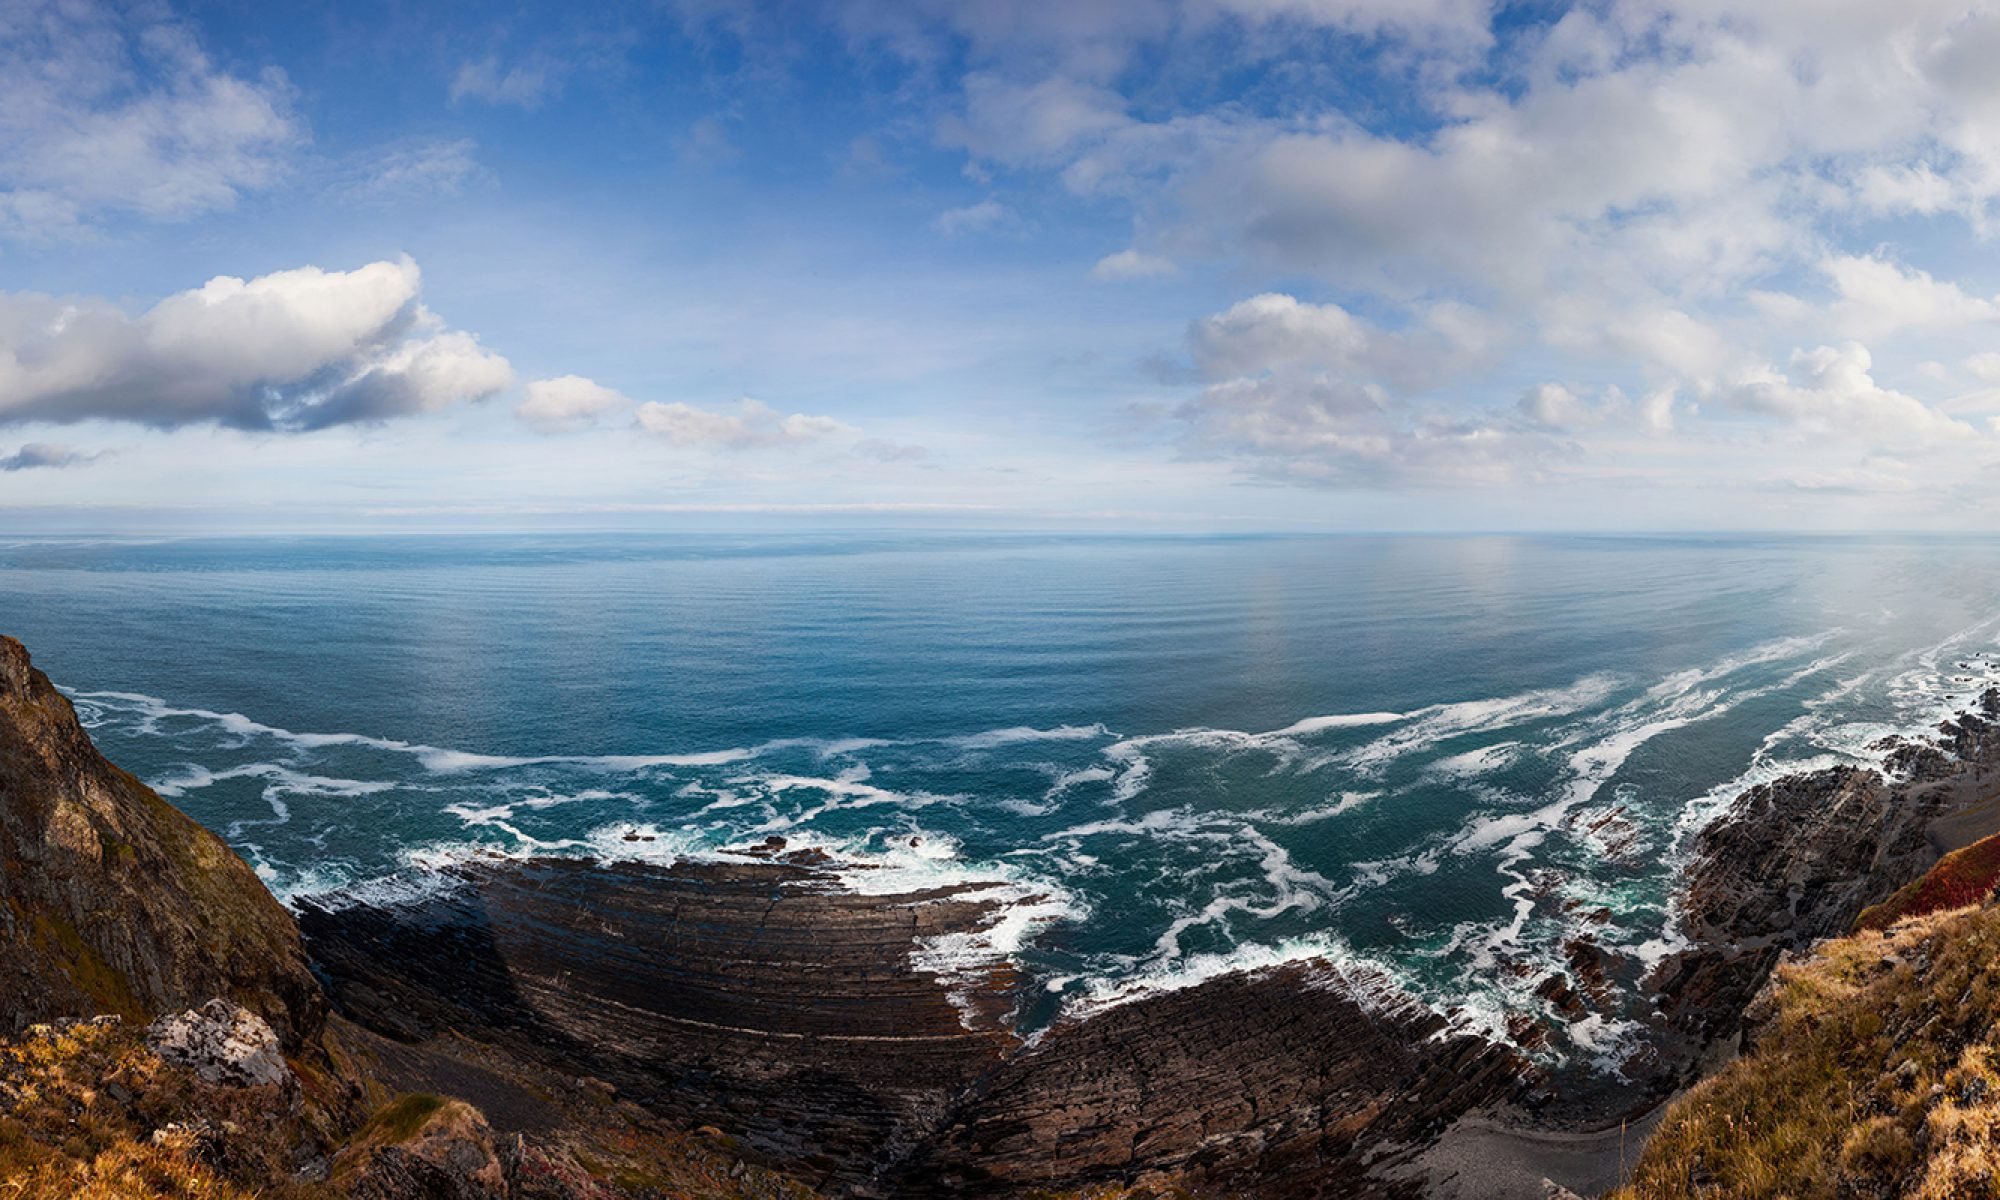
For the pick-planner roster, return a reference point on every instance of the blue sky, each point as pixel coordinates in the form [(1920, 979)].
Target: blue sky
[(1157, 264)]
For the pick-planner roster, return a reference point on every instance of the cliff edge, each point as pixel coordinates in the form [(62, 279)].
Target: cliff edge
[(111, 900)]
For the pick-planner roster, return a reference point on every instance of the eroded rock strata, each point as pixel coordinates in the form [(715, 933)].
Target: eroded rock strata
[(758, 996), (764, 998)]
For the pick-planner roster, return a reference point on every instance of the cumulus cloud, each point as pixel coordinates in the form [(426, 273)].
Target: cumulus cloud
[(567, 402), (104, 113), (1277, 332), (752, 425), (44, 454), (1327, 431), (293, 350), (1877, 298), (1830, 390), (1311, 393)]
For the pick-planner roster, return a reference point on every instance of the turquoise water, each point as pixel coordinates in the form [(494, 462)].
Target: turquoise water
[(1435, 760)]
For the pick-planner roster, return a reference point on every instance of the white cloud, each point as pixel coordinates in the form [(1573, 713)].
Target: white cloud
[(102, 114), (1132, 264), (1553, 406), (986, 215), (1277, 332), (753, 425), (419, 168), (1877, 298), (292, 350), (1327, 431), (524, 85), (1830, 390), (1984, 366), (567, 402)]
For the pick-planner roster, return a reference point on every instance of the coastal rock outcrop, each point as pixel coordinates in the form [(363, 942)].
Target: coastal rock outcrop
[(766, 999), (1799, 859), (761, 997), (1293, 1081), (111, 900)]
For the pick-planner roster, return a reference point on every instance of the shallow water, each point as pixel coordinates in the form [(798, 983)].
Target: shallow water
[(1433, 759)]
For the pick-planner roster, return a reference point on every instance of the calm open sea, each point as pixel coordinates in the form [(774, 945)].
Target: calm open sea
[(1432, 759)]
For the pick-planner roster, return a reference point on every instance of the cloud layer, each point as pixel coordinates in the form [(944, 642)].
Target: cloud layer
[(294, 350), (104, 115)]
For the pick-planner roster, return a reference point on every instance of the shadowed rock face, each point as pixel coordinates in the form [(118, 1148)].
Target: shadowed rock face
[(761, 998), (111, 900)]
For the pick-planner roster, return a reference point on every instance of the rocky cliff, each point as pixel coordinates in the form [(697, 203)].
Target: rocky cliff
[(112, 901)]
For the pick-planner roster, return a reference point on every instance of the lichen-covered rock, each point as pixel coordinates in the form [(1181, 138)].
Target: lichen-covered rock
[(111, 900), (224, 1044)]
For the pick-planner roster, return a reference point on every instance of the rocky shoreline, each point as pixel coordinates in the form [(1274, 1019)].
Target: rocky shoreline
[(767, 997), (778, 1032)]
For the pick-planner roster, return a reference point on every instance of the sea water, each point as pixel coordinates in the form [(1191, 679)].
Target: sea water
[(1434, 762)]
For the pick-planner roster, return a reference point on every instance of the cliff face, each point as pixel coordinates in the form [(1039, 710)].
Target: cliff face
[(113, 901)]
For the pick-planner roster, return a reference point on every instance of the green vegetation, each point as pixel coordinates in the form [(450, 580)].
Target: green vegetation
[(403, 1119)]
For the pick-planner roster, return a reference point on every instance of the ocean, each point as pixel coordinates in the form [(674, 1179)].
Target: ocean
[(1434, 761)]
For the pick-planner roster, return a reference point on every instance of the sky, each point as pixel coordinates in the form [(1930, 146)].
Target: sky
[(1153, 265)]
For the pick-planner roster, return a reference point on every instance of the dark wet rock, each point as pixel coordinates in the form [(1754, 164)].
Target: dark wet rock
[(1590, 967), (224, 1044), (1283, 1082), (1797, 860), (1792, 862), (113, 901)]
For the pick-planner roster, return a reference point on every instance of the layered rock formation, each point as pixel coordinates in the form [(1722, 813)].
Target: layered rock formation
[(113, 901), (757, 996), (766, 999), (1288, 1082)]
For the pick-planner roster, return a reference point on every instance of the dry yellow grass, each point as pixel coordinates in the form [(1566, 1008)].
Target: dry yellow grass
[(1873, 1074)]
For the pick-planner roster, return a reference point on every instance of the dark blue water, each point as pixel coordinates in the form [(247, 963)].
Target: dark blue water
[(1433, 759)]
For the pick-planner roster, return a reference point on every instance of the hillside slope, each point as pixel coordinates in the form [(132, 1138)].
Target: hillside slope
[(111, 900)]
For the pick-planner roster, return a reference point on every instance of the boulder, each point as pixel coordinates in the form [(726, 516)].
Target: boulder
[(224, 1044)]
